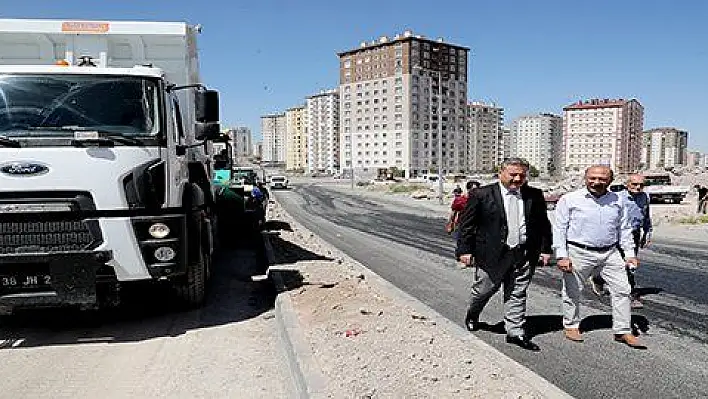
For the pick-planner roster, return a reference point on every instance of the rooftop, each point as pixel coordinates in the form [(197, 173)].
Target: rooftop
[(405, 36), (598, 103)]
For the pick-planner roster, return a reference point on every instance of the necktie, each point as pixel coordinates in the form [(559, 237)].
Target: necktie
[(512, 221)]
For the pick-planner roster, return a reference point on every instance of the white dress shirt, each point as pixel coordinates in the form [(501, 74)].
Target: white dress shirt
[(593, 221), (507, 196)]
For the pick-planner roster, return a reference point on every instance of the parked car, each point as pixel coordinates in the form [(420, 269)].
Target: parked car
[(278, 182)]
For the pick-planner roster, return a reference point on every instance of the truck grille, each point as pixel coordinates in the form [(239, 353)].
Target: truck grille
[(35, 223), (26, 237)]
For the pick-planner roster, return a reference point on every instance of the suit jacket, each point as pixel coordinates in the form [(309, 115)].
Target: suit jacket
[(483, 226)]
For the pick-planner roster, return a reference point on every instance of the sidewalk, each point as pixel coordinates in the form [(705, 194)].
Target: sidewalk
[(353, 334)]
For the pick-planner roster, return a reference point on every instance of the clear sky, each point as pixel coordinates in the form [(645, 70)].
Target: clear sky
[(527, 56)]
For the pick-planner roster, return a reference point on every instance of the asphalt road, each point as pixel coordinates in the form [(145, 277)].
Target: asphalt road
[(408, 247)]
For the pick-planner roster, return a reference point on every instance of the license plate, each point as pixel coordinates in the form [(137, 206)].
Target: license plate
[(25, 281)]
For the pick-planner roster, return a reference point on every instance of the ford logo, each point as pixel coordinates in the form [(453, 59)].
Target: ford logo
[(23, 169)]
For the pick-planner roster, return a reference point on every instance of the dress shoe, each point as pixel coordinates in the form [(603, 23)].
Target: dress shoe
[(630, 340), (573, 334), (471, 324), (522, 342)]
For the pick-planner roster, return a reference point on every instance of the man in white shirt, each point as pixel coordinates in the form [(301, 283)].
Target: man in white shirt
[(590, 225)]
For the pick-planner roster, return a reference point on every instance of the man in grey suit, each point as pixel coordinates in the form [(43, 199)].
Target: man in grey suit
[(504, 233)]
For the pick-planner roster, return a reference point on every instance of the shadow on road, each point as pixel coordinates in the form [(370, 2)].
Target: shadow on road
[(286, 252), (543, 324), (277, 225), (640, 324), (149, 311)]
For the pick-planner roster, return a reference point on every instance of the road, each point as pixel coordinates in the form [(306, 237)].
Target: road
[(148, 348), (408, 247)]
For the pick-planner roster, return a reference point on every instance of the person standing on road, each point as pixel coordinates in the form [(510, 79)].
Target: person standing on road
[(457, 206), (637, 202), (504, 234), (702, 198), (590, 225)]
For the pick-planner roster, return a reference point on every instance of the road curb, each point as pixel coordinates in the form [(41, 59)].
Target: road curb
[(309, 380)]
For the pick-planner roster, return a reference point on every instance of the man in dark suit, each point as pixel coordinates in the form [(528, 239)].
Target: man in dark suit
[(505, 233)]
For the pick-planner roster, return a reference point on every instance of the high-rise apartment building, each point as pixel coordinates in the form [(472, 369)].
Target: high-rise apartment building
[(539, 140), (273, 131), (603, 131), (398, 97), (664, 147), (485, 130), (505, 143), (242, 144), (323, 150), (296, 139)]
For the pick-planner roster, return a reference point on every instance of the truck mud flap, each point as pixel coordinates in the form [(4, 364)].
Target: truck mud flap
[(48, 280)]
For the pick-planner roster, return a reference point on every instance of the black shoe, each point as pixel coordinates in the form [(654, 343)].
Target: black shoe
[(522, 342), (471, 324)]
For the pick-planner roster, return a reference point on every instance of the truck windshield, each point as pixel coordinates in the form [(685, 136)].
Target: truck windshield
[(55, 104), (664, 180)]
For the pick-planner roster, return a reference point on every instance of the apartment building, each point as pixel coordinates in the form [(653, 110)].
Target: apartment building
[(323, 150), (241, 141), (696, 159), (273, 128), (485, 131), (398, 97), (603, 131), (258, 150), (296, 139), (539, 139), (505, 144), (664, 147)]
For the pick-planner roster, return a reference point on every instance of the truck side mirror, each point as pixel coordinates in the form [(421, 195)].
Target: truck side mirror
[(206, 106), (207, 131)]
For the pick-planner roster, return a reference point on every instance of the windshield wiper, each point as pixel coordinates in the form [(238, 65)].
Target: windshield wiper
[(105, 138), (8, 142)]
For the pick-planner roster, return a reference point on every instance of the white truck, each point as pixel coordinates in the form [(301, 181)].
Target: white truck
[(105, 172), (660, 189), (278, 181)]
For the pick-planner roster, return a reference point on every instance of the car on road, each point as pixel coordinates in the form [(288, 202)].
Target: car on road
[(278, 181)]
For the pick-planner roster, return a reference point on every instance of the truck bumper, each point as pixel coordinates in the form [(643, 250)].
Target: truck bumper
[(50, 280)]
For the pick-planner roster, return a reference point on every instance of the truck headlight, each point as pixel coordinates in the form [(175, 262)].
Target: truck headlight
[(165, 254), (159, 230)]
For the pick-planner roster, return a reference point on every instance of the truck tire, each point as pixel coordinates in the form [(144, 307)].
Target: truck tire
[(191, 288)]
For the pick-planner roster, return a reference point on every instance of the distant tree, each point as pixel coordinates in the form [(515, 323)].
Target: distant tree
[(533, 171), (395, 172)]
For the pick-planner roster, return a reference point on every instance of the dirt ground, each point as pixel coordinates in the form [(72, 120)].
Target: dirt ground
[(369, 342)]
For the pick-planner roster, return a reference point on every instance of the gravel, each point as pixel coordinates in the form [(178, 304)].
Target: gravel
[(371, 341)]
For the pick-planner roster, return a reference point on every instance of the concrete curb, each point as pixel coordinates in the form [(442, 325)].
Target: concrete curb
[(535, 381), (309, 380)]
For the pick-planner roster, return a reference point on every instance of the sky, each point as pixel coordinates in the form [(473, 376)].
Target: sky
[(265, 56)]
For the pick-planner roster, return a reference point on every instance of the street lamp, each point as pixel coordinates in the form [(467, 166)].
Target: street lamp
[(439, 113)]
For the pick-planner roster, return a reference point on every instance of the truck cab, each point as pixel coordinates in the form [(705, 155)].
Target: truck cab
[(105, 161)]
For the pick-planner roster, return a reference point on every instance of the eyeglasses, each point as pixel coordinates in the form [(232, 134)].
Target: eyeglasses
[(637, 184)]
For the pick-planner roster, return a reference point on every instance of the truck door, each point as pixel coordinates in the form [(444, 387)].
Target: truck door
[(179, 171)]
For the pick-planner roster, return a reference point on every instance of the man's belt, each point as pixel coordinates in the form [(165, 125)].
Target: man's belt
[(589, 248)]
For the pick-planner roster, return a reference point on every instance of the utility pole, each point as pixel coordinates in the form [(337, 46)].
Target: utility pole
[(440, 145)]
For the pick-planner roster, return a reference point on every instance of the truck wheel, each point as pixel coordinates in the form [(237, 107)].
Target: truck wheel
[(191, 289)]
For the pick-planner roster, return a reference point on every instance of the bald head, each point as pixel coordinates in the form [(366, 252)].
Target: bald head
[(635, 183), (598, 178)]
